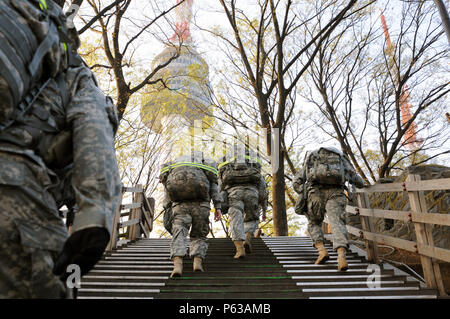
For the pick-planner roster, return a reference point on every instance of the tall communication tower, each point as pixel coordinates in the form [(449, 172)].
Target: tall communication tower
[(183, 95), (411, 140)]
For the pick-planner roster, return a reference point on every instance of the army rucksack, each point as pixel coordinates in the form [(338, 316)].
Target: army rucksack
[(188, 178), (239, 170), (325, 166), (34, 48)]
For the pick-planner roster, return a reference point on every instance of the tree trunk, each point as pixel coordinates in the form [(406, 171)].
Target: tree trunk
[(280, 225)]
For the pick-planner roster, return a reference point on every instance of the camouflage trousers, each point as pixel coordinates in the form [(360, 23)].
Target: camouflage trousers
[(243, 211), (31, 231), (194, 216), (332, 202)]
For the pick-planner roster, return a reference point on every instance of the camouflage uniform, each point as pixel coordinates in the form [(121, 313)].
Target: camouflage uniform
[(245, 202), (193, 215), (331, 201), (243, 211), (31, 231), (326, 199)]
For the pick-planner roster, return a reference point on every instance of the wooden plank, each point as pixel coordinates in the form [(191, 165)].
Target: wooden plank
[(431, 218), (424, 235), (149, 205), (381, 188), (130, 206), (147, 234), (428, 185), (354, 231), (148, 219), (379, 213), (135, 230), (434, 252), (383, 239), (366, 223), (129, 222), (115, 231), (391, 241), (149, 212), (137, 189)]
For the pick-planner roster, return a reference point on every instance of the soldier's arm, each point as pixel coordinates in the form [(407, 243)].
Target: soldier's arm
[(263, 195), (298, 181), (96, 180), (354, 176), (215, 195), (166, 200)]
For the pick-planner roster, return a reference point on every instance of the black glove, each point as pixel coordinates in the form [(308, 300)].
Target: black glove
[(83, 248)]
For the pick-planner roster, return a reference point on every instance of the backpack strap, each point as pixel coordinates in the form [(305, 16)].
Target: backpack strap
[(304, 174), (232, 160), (42, 50), (341, 169), (170, 167)]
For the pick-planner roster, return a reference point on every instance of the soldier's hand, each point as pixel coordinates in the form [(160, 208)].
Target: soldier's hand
[(217, 215), (83, 248)]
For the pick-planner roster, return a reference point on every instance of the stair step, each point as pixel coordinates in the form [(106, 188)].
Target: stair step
[(399, 291), (130, 278), (277, 268), (231, 289), (355, 284), (294, 294), (108, 285), (110, 297), (378, 297)]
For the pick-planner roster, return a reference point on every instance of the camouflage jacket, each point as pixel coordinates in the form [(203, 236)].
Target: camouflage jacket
[(209, 167), (350, 173), (90, 120)]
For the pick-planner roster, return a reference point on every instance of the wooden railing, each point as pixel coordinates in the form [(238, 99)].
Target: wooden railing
[(419, 215), (140, 215)]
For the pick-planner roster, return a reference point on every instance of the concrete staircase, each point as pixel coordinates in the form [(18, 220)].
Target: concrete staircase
[(278, 268)]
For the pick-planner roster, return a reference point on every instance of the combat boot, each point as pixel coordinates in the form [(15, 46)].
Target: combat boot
[(177, 267), (342, 261), (323, 254), (248, 243), (240, 251), (198, 264)]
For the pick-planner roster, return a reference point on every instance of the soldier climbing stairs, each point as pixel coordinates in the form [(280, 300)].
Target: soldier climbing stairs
[(278, 268)]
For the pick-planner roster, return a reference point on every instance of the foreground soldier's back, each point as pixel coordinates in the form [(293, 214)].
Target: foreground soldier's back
[(241, 181), (321, 181), (71, 124), (190, 183)]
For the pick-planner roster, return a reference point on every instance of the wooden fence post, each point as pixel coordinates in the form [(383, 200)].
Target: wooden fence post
[(424, 235), (115, 225), (136, 213), (367, 225)]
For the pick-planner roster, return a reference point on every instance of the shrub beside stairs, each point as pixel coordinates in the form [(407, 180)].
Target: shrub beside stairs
[(278, 268)]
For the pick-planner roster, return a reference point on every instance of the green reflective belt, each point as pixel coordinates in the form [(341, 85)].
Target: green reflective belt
[(234, 158), (197, 165), (43, 5)]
